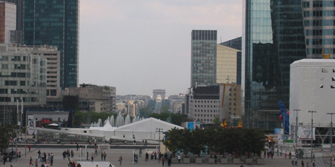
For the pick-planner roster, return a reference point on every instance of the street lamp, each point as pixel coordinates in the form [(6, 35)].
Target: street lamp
[(311, 111), (159, 130), (331, 138), (296, 126)]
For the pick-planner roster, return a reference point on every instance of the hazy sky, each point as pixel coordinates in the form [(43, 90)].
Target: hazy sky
[(141, 45)]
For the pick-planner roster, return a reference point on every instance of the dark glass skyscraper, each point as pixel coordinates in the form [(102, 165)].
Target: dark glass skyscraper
[(55, 23), (273, 38)]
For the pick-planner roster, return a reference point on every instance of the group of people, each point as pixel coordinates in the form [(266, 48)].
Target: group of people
[(8, 156), (67, 154)]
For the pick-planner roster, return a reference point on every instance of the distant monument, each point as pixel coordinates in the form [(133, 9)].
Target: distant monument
[(157, 92)]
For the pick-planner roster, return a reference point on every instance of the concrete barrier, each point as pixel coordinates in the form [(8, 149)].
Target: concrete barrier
[(186, 160), (198, 160), (224, 160), (211, 160), (260, 161), (248, 161), (236, 161), (174, 160)]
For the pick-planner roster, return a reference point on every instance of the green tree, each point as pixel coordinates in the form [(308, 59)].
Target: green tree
[(174, 140), (216, 121), (198, 141), (5, 133)]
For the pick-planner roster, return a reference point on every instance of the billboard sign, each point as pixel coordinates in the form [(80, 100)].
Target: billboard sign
[(305, 133)]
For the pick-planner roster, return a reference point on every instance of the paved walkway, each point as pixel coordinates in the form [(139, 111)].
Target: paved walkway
[(114, 154)]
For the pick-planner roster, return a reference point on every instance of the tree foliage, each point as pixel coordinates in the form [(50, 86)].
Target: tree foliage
[(5, 133), (233, 141)]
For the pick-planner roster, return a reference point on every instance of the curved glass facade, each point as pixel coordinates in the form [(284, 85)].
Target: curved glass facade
[(273, 38)]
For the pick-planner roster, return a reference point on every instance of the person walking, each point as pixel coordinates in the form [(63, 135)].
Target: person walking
[(140, 152), (29, 147), (105, 156), (92, 157), (52, 159), (78, 165), (163, 161), (31, 162), (102, 156), (36, 163), (146, 156), (179, 158), (289, 155), (307, 165), (302, 164), (120, 160), (169, 162)]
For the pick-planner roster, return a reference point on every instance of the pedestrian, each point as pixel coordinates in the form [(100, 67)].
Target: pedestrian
[(4, 159), (163, 161), (42, 165), (102, 156), (36, 163), (78, 165), (169, 161), (241, 165), (302, 164), (289, 155), (307, 165), (11, 165), (31, 162), (39, 153), (92, 157), (281, 152), (286, 154), (105, 156), (179, 158), (146, 156), (77, 146), (296, 161), (52, 159), (277, 151), (29, 148), (72, 154), (293, 161), (313, 163), (120, 160), (96, 150), (140, 152)]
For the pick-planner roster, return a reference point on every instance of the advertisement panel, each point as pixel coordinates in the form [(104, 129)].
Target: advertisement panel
[(190, 125), (305, 133), (31, 124)]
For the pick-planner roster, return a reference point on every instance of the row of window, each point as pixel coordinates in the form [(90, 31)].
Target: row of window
[(320, 32), (319, 22), (204, 101), (319, 13), (205, 115), (317, 4), (208, 106), (206, 110), (325, 41)]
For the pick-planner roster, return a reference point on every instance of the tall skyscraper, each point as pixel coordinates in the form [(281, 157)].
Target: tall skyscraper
[(55, 23), (226, 66), (273, 38), (7, 21), (203, 57), (319, 28)]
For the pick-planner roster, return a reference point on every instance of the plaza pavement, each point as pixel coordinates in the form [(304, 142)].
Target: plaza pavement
[(114, 154)]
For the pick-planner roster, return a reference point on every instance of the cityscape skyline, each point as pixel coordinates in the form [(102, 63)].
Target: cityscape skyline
[(157, 53)]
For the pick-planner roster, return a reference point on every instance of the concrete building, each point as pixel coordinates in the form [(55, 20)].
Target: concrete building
[(318, 25), (52, 55), (205, 103), (92, 98), (176, 103), (23, 78), (226, 65), (7, 21), (312, 89), (231, 101), (203, 57)]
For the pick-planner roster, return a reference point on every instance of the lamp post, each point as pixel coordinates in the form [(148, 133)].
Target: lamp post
[(331, 138), (311, 111), (159, 130), (296, 126)]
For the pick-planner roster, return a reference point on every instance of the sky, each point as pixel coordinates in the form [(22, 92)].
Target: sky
[(141, 45)]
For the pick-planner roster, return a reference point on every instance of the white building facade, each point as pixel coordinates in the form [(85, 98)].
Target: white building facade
[(312, 88)]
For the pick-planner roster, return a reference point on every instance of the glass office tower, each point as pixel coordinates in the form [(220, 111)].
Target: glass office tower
[(273, 38), (203, 57), (55, 23), (319, 28)]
